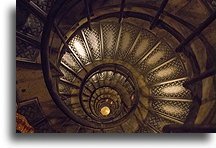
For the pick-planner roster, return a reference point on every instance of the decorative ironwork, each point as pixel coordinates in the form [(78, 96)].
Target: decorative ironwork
[(65, 88), (29, 39), (145, 42), (110, 35), (162, 68), (159, 63), (107, 95), (170, 70), (44, 4), (172, 89), (70, 61), (144, 129), (26, 51), (31, 110), (33, 26), (176, 109), (127, 38), (157, 121), (67, 75), (78, 46), (161, 54), (93, 41)]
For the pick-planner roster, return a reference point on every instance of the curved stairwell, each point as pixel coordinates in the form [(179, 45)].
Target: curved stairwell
[(104, 48), (111, 74)]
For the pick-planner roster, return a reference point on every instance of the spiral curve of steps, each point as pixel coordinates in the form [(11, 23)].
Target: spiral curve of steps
[(92, 78), (109, 68)]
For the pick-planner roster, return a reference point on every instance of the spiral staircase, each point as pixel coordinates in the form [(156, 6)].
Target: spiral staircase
[(116, 66)]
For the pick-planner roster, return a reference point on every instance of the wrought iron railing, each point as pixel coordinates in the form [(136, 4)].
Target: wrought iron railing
[(70, 49)]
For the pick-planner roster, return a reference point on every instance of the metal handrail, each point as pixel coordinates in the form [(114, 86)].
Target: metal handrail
[(47, 72)]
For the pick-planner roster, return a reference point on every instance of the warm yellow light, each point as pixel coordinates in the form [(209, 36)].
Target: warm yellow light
[(105, 110)]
